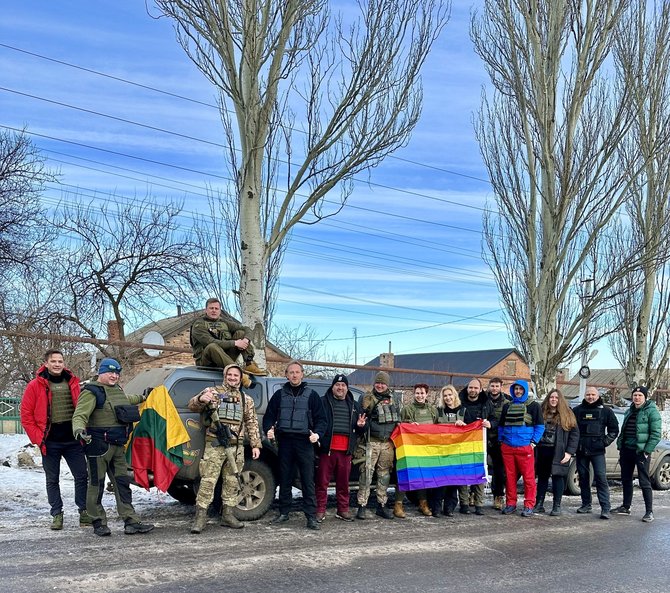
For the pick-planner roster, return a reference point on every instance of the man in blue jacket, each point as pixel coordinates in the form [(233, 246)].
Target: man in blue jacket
[(520, 429)]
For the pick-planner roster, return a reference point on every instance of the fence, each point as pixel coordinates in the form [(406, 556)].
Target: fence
[(10, 422)]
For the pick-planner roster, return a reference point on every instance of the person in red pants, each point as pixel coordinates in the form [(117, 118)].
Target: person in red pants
[(345, 422), (520, 429)]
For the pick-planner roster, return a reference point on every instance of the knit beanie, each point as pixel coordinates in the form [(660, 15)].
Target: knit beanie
[(383, 377), (340, 379), (642, 389), (109, 365)]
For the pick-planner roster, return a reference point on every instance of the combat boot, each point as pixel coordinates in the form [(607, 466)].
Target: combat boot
[(200, 520), (424, 510), (361, 513), (498, 503), (539, 505), (253, 369), (84, 519), (384, 512), (57, 522), (398, 510), (230, 520), (246, 380)]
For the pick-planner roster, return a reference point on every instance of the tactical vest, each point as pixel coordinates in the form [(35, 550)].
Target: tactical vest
[(386, 412), (423, 415), (591, 421), (498, 405), (446, 417), (230, 410), (103, 423), (294, 413), (517, 415)]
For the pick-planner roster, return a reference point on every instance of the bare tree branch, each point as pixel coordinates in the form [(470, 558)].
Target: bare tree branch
[(355, 91)]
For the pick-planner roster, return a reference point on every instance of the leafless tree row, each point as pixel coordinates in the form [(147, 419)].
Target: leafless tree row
[(574, 133)]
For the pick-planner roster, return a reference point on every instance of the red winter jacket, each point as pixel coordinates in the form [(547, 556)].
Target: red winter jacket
[(36, 405)]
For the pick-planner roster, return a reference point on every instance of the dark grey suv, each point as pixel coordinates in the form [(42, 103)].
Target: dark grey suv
[(259, 476)]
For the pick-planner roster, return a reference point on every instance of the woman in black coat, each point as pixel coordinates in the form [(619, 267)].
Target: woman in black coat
[(555, 449)]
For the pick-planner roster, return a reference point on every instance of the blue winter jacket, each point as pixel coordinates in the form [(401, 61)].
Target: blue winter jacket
[(533, 428)]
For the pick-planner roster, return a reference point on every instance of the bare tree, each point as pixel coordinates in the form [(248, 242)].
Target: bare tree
[(32, 305), (24, 232), (220, 258), (123, 261), (642, 53), (354, 90), (549, 138), (303, 342)]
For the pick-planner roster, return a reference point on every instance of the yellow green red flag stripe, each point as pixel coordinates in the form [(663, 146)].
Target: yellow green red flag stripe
[(156, 443)]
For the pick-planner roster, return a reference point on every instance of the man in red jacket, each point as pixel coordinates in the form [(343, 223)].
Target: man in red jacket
[(46, 415)]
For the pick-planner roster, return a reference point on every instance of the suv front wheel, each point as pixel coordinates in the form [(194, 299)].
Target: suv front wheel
[(258, 490)]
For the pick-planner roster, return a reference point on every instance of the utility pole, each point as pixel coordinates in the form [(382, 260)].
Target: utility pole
[(584, 371), (355, 346)]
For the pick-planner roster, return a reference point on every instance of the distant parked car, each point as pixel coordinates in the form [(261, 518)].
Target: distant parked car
[(659, 468)]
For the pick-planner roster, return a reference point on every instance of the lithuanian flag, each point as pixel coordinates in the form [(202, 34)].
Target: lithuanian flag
[(157, 439), (434, 455)]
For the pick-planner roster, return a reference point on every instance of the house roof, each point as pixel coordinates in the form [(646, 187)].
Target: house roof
[(475, 363), (598, 377)]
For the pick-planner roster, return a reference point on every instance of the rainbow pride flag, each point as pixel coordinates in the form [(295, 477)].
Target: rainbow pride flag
[(433, 455)]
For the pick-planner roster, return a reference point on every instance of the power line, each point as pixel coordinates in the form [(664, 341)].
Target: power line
[(214, 106)]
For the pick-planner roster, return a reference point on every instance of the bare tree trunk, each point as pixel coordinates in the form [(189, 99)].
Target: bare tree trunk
[(549, 137), (643, 61), (355, 91)]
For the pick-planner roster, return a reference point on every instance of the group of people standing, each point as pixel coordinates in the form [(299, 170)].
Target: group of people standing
[(524, 438)]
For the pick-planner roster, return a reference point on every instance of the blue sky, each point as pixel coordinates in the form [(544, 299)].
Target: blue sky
[(408, 242)]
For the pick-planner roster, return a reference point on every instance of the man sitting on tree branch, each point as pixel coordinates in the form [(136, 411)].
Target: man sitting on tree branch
[(217, 342)]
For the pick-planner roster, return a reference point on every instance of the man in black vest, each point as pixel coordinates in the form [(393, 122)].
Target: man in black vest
[(295, 416), (475, 406), (598, 427), (97, 426)]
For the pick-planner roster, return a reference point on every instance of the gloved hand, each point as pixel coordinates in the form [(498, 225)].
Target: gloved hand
[(83, 437), (146, 392)]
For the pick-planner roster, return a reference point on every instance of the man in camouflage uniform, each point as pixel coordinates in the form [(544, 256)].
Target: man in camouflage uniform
[(224, 405), (379, 453), (217, 342)]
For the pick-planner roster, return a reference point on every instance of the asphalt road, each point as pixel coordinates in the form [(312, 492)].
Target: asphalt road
[(491, 554)]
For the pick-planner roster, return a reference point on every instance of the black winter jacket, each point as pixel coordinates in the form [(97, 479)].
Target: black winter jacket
[(598, 427), (566, 442), (480, 409), (354, 411)]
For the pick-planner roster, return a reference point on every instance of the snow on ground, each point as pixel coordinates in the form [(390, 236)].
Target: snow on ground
[(23, 497)]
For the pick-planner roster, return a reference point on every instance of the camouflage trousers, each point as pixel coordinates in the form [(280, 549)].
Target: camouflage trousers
[(214, 464), (381, 458), (474, 492)]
